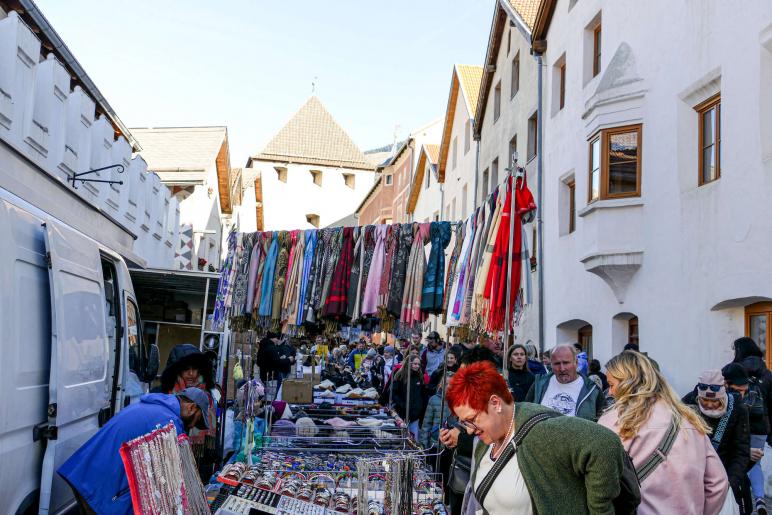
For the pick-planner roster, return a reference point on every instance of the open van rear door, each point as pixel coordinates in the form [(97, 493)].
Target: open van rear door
[(80, 377)]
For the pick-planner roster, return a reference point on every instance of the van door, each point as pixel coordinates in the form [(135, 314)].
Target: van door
[(79, 382)]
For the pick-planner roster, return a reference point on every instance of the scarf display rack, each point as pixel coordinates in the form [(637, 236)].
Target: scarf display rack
[(381, 278)]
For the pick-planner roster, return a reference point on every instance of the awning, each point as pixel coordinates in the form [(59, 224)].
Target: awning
[(174, 281)]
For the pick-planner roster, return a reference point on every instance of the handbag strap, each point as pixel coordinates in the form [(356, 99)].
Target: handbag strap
[(509, 452), (660, 453)]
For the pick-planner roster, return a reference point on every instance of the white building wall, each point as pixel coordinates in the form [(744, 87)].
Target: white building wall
[(698, 246), (495, 138), (457, 204), (286, 204), (55, 128), (429, 204)]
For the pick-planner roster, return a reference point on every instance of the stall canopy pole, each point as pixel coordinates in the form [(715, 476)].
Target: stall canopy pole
[(507, 314), (203, 317)]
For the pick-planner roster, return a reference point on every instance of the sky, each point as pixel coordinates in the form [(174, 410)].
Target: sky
[(250, 65)]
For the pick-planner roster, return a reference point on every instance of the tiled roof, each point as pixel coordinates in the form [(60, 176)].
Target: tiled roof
[(433, 151), (312, 136), (470, 77), (179, 148), (527, 9)]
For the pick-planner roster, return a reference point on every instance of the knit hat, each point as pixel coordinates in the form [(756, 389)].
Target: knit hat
[(707, 383), (371, 353), (734, 373), (306, 427)]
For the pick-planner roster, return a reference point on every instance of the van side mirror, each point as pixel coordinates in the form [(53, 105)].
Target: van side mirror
[(152, 365)]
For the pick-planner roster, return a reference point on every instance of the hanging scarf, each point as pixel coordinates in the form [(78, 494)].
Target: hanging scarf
[(294, 271), (434, 280), (266, 288), (254, 262), (456, 295), (399, 270), (496, 285), (480, 303), (329, 267), (392, 236), (412, 316), (280, 279), (238, 306), (367, 257), (476, 250), (315, 278), (308, 259), (356, 267), (337, 300), (370, 299), (220, 309), (451, 276)]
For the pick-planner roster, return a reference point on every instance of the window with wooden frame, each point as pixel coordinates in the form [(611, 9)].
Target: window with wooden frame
[(533, 135), (584, 337), (562, 99), (571, 206), (709, 139), (596, 38), (515, 78), (758, 321), (615, 163), (632, 330)]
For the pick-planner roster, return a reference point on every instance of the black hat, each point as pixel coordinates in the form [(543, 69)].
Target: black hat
[(434, 335), (735, 374)]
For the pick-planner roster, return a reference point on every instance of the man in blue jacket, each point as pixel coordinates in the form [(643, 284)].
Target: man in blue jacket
[(95, 471)]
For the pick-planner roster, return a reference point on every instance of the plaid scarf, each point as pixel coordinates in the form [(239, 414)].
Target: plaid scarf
[(337, 300)]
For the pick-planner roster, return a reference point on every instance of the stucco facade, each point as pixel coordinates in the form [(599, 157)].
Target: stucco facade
[(682, 260)]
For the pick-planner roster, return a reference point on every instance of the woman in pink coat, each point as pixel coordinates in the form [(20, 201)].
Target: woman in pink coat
[(691, 480)]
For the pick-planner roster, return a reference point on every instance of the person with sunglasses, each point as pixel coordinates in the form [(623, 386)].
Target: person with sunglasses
[(727, 417), (560, 465)]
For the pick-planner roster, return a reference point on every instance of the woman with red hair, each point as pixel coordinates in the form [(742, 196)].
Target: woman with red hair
[(558, 465)]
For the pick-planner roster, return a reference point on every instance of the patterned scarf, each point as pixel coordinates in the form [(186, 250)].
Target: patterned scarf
[(336, 243), (451, 277), (220, 307), (434, 280), (392, 236), (399, 270), (254, 263), (412, 316), (280, 279), (238, 306), (294, 272), (308, 259), (336, 305), (370, 299), (356, 267)]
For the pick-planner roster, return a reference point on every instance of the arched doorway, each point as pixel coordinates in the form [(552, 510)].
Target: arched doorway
[(624, 330), (573, 331), (758, 322)]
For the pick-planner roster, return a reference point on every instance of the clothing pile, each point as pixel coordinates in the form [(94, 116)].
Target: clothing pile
[(379, 277)]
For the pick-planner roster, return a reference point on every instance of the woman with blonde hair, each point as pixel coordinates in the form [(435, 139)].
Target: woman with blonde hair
[(677, 466)]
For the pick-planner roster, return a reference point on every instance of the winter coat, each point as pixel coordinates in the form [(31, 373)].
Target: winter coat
[(691, 481), (433, 419), (536, 368), (417, 392), (432, 361), (584, 464), (352, 361), (520, 382), (96, 470), (734, 449), (283, 354), (268, 360), (757, 370), (591, 400), (181, 357)]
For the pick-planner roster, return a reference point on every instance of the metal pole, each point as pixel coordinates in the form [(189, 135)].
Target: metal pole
[(511, 185), (443, 384), (407, 387), (540, 200), (203, 318)]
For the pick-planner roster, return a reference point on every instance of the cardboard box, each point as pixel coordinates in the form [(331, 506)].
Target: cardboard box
[(297, 391)]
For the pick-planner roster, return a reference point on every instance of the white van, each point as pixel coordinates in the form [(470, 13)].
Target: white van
[(70, 346)]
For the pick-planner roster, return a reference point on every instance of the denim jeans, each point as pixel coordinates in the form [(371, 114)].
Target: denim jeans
[(755, 474), (413, 428)]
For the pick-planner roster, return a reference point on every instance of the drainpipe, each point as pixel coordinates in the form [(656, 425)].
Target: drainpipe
[(540, 195), (442, 201), (476, 171)]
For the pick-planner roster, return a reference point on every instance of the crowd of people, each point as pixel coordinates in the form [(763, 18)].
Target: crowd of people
[(602, 438)]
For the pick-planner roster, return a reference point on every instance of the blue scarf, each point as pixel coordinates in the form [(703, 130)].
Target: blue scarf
[(266, 288), (434, 280)]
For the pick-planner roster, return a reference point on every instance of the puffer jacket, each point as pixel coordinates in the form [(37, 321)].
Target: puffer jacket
[(591, 403)]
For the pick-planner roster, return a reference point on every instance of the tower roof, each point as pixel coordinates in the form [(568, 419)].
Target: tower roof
[(312, 136)]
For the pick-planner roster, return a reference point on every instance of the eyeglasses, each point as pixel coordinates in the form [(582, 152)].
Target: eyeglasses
[(470, 424), (712, 387)]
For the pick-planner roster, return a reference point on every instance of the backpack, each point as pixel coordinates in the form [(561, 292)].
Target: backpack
[(754, 398)]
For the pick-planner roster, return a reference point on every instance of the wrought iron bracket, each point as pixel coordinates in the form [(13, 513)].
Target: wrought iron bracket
[(77, 176)]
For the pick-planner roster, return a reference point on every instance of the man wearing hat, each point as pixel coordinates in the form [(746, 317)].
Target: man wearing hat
[(95, 471), (434, 354), (727, 417)]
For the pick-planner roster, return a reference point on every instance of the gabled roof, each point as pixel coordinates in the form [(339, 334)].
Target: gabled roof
[(465, 78), (543, 18), (428, 153), (312, 136), (188, 149), (523, 13)]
